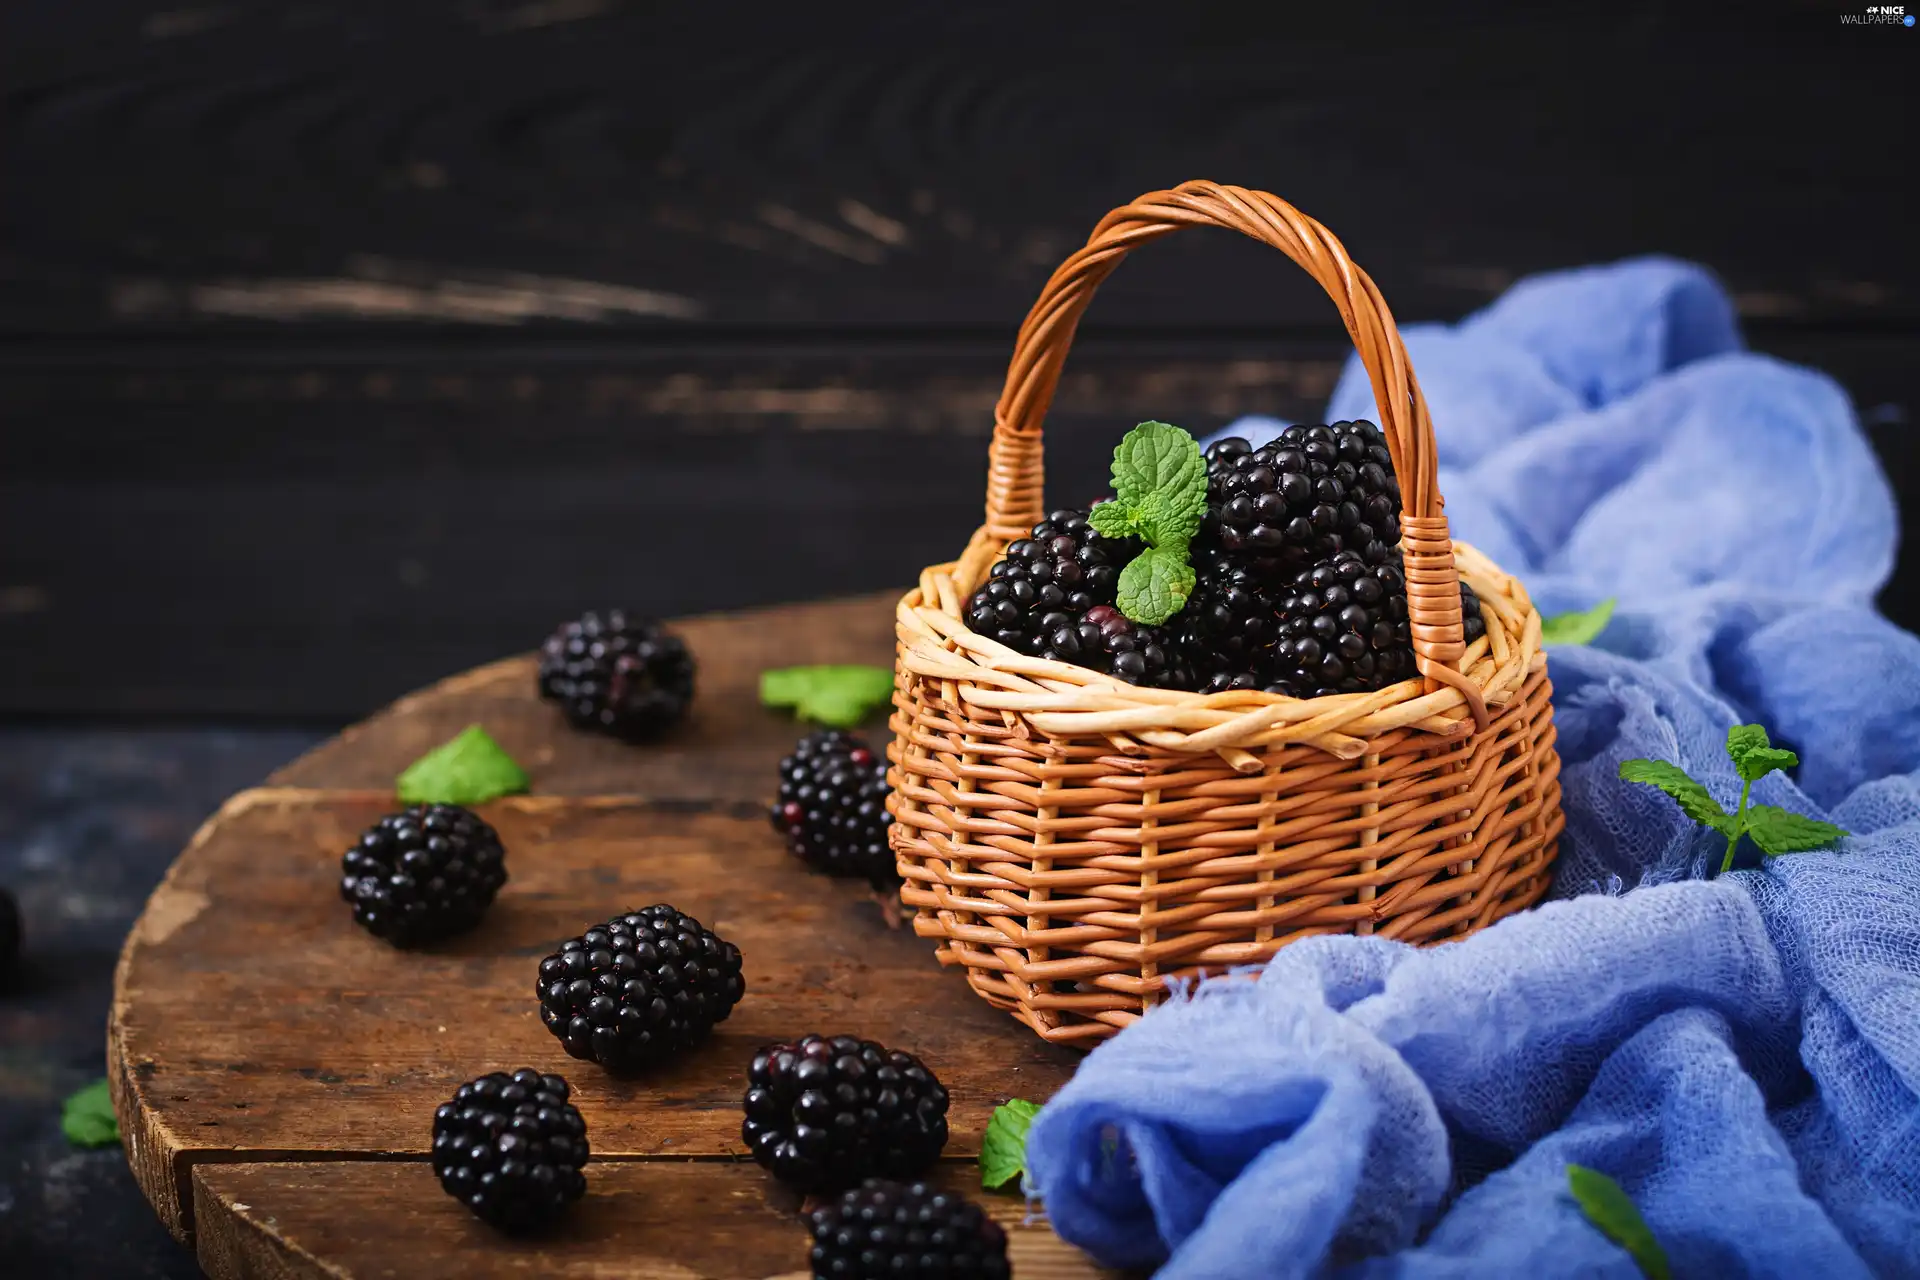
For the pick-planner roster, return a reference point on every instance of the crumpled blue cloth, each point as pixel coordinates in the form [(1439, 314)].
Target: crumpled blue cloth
[(1741, 1053)]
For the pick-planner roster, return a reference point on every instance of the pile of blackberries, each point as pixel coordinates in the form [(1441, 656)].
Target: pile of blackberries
[(1299, 587)]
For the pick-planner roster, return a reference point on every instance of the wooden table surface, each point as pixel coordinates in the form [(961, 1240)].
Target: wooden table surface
[(276, 1069)]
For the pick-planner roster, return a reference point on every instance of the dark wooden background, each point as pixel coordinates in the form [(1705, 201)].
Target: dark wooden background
[(346, 345)]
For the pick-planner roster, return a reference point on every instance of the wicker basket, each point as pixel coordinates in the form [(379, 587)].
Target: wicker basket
[(1077, 843)]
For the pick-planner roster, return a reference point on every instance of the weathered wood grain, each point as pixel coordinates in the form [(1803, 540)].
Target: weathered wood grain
[(598, 164), (639, 1221), (254, 1020), (728, 749)]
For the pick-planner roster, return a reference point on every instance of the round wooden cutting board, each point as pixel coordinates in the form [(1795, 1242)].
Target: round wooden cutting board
[(276, 1069)]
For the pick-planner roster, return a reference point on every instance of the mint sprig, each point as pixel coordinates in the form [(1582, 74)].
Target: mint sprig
[(1160, 494), (837, 695), (1610, 1209), (1003, 1151), (87, 1118), (1775, 830), (1579, 627), (469, 768)]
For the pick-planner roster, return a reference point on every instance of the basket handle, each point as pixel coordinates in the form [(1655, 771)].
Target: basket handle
[(1015, 471)]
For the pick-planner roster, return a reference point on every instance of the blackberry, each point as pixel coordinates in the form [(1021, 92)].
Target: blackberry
[(1304, 497), (826, 1112), (626, 677), (1344, 628), (423, 874), (9, 933), (1110, 641), (833, 807), (1046, 582), (510, 1148), (1228, 627), (885, 1231), (639, 989)]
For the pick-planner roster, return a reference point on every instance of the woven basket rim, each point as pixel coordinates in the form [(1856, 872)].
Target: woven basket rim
[(1058, 699)]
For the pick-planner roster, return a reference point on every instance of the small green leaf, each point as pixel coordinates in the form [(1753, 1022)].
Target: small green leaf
[(1583, 627), (1003, 1151), (1761, 761), (1779, 831), (1112, 520), (1753, 753), (839, 695), (470, 768), (1693, 799), (1743, 738), (1609, 1208), (1172, 515), (1156, 456), (87, 1117), (1155, 584)]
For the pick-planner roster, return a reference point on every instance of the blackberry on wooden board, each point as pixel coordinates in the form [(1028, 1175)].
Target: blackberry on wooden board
[(510, 1147), (639, 989), (884, 1230), (826, 1112), (832, 807), (624, 676), (1303, 497), (423, 874)]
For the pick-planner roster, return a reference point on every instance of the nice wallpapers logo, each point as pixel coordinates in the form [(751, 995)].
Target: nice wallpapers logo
[(1879, 15)]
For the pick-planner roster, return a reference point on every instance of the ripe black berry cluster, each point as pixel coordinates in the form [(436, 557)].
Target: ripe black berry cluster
[(832, 807), (1299, 587), (885, 1231), (423, 874), (626, 677), (826, 1112), (510, 1147), (639, 989)]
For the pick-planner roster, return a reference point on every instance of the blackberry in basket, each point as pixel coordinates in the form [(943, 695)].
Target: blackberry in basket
[(1036, 595), (1311, 493), (1344, 629)]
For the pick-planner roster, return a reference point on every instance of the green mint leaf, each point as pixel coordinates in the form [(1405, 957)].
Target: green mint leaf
[(1170, 516), (87, 1117), (1112, 520), (1743, 738), (1761, 761), (468, 769), (1003, 1151), (1609, 1208), (1155, 584), (1779, 831), (1582, 627), (1753, 753), (838, 695), (1156, 456), (1692, 798)]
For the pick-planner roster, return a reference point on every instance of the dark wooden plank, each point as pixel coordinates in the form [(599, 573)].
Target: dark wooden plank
[(639, 1221), (314, 533), (633, 166), (253, 1020), (727, 750)]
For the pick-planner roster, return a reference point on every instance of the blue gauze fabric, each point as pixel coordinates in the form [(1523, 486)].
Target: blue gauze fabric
[(1741, 1053)]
